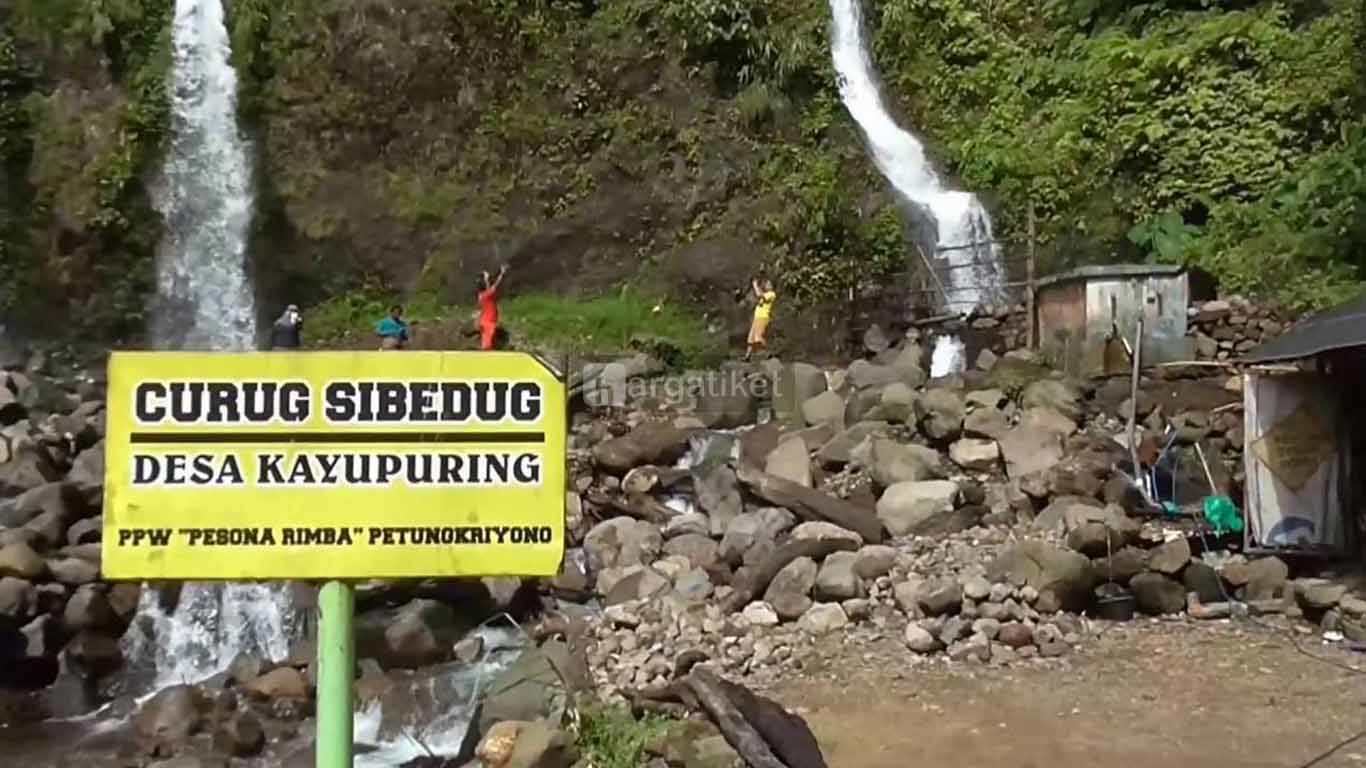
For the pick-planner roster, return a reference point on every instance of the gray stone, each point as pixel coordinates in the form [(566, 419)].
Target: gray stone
[(760, 614), (73, 571), (1030, 450), (1170, 557), (986, 360), (825, 408), (240, 735), (1049, 420), (875, 339), (836, 579), (1052, 393), (701, 551), (1015, 635), (718, 494), (866, 375), (889, 462), (919, 639), (16, 600), (651, 442), (975, 455), (988, 628), (857, 609), (693, 585), (1200, 578), (638, 584), (1318, 594), (790, 462), (897, 402), (820, 530), (823, 618), (1157, 594), (977, 647), (1263, 579), (1121, 565), (621, 542), (795, 384), (690, 522), (940, 596), (790, 591), (1066, 577), (750, 528), (986, 423), (19, 560), (940, 414), (976, 588), (874, 560), (170, 717), (906, 506), (840, 449), (909, 367)]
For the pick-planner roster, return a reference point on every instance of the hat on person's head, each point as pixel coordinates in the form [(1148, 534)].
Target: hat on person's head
[(292, 308)]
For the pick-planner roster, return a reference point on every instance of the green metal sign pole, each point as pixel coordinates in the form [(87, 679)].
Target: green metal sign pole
[(336, 673)]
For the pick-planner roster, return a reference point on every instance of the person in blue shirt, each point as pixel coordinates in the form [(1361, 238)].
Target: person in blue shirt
[(392, 330)]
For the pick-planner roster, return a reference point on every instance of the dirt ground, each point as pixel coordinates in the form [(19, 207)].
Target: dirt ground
[(1215, 695)]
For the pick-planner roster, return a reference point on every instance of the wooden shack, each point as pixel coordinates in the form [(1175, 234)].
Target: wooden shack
[(1085, 316)]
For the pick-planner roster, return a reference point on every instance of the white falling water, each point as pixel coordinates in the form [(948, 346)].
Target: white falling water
[(947, 356), (205, 302), (972, 272), (205, 194)]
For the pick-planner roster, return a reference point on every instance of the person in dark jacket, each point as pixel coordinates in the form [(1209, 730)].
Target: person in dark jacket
[(287, 332)]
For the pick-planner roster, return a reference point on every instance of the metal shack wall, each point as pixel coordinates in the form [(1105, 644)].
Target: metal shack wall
[(1061, 312), (1116, 303)]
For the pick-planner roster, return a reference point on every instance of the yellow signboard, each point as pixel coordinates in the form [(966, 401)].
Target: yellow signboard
[(333, 465)]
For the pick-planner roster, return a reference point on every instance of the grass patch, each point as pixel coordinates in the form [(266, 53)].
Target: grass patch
[(608, 325), (611, 738), (603, 325)]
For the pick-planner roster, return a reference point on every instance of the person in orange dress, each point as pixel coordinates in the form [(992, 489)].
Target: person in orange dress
[(488, 307)]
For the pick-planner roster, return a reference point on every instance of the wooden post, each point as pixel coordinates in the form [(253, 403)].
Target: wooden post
[(1029, 282)]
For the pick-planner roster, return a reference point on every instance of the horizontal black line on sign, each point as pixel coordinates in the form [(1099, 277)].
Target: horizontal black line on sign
[(331, 438)]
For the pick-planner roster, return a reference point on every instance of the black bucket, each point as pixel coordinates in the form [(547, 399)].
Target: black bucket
[(1114, 603)]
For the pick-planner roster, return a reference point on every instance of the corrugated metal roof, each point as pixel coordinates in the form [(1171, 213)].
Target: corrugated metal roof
[(1110, 271), (1342, 327)]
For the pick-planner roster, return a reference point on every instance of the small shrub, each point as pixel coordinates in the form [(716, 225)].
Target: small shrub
[(611, 738)]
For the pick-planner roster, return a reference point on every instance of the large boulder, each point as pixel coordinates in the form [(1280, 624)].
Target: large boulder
[(1170, 557), (906, 506), (1061, 577), (790, 461), (824, 408), (988, 423), (279, 683), (940, 412), (794, 385), (909, 365), (839, 450), (20, 561), (866, 375), (1049, 419), (29, 466), (701, 551), (651, 442), (174, 714), (790, 591), (975, 455), (528, 690), (1157, 594), (823, 618), (889, 462), (638, 583), (897, 403), (517, 744), (416, 634), (87, 473), (62, 500), (874, 560), (1053, 393), (621, 542), (762, 526), (718, 494), (837, 579), (1030, 450)]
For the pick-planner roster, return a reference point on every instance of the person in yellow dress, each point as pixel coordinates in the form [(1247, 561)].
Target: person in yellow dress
[(764, 296)]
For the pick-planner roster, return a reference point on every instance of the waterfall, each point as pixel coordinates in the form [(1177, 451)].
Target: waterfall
[(972, 270), (205, 302)]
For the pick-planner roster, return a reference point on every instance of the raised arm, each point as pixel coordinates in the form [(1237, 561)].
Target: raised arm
[(502, 272)]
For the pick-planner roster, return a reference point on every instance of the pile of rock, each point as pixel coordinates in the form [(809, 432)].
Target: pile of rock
[(55, 615), (1225, 329)]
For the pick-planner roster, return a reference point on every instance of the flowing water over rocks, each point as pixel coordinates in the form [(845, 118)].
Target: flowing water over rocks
[(973, 274)]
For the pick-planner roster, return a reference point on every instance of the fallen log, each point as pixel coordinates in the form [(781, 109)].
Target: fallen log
[(810, 504), (756, 582), (741, 736), (786, 733), (637, 505)]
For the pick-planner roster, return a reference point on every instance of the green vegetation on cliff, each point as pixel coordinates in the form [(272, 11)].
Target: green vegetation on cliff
[(86, 107), (677, 146)]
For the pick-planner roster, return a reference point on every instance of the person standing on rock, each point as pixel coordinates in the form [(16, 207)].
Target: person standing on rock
[(487, 294), (392, 330), (764, 297), (287, 332)]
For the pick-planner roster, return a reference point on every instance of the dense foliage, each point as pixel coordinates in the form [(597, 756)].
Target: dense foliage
[(85, 109), (677, 145)]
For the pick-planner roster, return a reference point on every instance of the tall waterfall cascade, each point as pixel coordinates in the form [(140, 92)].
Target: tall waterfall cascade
[(205, 302), (971, 261)]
